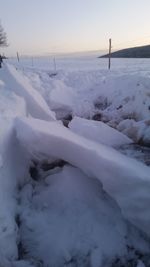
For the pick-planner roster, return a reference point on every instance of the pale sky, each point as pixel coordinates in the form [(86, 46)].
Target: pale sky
[(45, 26)]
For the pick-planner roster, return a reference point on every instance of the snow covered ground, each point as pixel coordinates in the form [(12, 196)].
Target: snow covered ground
[(70, 197)]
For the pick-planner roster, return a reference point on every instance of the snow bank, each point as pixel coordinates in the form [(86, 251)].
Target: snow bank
[(99, 132), (126, 180), (36, 105)]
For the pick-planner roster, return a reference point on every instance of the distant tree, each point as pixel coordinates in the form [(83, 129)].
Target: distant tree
[(3, 36)]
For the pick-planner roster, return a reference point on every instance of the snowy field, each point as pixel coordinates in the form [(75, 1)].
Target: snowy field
[(75, 162), (81, 61)]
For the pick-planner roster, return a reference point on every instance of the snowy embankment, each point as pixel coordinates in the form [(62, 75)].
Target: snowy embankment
[(70, 199)]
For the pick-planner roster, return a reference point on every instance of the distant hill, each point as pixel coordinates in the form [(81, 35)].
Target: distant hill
[(133, 52)]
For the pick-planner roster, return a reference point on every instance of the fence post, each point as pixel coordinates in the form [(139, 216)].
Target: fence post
[(18, 57), (109, 57)]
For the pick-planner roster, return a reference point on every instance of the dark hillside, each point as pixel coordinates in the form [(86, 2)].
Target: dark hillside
[(134, 52)]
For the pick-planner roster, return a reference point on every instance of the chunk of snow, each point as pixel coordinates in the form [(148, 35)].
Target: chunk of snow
[(99, 132), (125, 179), (36, 105)]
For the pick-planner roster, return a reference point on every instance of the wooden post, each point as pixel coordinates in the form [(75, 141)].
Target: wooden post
[(18, 56), (54, 65), (109, 57)]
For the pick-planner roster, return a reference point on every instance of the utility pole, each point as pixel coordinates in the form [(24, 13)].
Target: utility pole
[(109, 57)]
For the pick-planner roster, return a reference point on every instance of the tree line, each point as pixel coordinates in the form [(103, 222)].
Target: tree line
[(3, 36)]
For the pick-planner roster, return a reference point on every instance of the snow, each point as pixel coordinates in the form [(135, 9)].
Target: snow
[(125, 179), (112, 96), (1, 83), (11, 106), (99, 132), (62, 99), (75, 214), (140, 264), (22, 263), (91, 209), (13, 169), (138, 131), (36, 106)]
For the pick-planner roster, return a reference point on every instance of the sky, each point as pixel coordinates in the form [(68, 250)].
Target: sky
[(54, 26)]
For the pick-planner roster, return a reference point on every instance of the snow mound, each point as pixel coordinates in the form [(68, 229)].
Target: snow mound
[(36, 105), (125, 179), (98, 132), (72, 222)]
